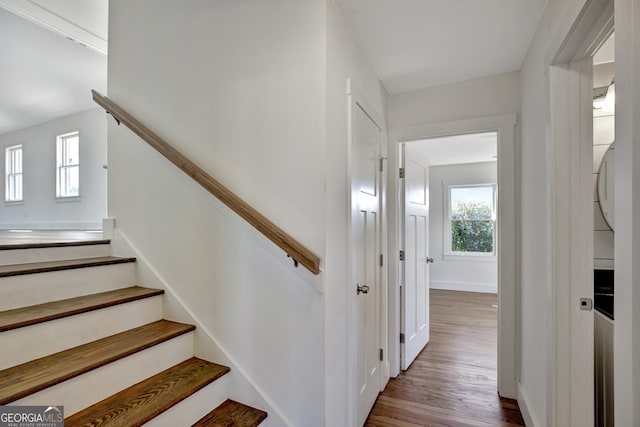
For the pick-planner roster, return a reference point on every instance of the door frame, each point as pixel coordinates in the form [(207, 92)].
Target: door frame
[(507, 229), (570, 254), (356, 99)]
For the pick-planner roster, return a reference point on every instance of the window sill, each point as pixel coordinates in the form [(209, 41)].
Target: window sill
[(14, 202), (68, 199), (473, 257)]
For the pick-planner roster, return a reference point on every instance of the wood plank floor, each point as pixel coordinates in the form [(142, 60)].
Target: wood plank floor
[(453, 382)]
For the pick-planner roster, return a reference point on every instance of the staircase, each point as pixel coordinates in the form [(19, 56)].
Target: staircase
[(76, 331)]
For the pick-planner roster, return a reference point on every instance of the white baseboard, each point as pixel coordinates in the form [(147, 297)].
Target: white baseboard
[(62, 225), (525, 408), (240, 382), (487, 288)]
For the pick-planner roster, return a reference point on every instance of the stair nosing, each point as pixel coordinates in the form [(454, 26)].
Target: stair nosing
[(20, 246), (146, 384), (69, 264), (180, 329), (147, 293), (262, 415)]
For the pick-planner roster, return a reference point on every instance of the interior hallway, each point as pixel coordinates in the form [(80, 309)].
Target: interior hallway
[(453, 382)]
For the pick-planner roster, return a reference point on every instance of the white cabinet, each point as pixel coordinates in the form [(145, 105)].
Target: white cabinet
[(603, 363)]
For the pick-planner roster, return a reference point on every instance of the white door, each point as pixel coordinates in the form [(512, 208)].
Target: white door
[(415, 267), (366, 226)]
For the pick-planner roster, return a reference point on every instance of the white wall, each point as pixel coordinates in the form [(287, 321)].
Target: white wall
[(537, 164), (535, 247), (603, 237), (239, 87), (40, 208), (256, 94), (470, 274), (536, 207), (487, 96)]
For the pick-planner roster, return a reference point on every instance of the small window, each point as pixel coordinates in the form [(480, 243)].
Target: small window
[(13, 174), (471, 220), (68, 165)]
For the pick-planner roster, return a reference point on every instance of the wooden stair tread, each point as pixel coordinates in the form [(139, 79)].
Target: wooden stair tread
[(26, 316), (41, 267), (27, 378), (12, 246), (147, 399), (232, 414)]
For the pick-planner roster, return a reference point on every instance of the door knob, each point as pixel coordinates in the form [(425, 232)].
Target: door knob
[(430, 260), (364, 289)]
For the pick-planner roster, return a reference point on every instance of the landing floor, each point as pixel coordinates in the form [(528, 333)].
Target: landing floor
[(453, 382)]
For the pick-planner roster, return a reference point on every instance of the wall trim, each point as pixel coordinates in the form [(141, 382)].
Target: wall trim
[(486, 288), (61, 225), (570, 245), (528, 416)]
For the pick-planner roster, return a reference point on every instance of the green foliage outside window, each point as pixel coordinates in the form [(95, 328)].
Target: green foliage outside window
[(471, 227)]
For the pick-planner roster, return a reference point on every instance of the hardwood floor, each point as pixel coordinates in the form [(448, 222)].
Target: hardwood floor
[(453, 382)]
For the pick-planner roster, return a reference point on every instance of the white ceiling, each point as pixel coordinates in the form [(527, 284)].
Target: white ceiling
[(413, 44), (458, 149), (43, 75)]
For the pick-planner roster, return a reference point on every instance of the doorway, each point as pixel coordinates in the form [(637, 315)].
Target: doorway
[(603, 230), (449, 234), (54, 152), (504, 128)]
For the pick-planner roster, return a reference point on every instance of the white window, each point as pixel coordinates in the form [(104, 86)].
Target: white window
[(471, 220), (13, 174), (68, 165)]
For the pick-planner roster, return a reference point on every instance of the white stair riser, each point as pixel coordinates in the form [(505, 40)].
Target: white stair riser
[(195, 406), (31, 289), (23, 256), (35, 341), (98, 384)]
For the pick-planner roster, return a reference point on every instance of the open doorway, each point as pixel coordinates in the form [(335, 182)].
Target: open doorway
[(449, 192), (603, 230), (505, 231), (460, 268), (463, 197)]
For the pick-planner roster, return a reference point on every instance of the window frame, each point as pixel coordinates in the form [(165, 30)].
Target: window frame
[(9, 172), (448, 252), (62, 164)]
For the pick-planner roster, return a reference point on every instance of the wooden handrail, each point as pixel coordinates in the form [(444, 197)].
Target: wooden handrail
[(287, 243)]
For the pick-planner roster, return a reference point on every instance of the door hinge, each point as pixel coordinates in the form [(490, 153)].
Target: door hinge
[(381, 260), (381, 355), (402, 172), (401, 338), (401, 255)]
